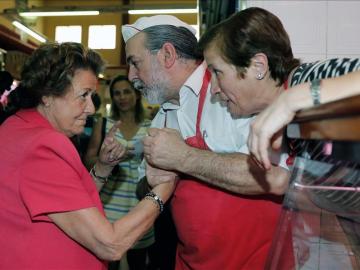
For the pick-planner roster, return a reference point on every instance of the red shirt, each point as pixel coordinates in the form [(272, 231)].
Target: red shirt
[(41, 173)]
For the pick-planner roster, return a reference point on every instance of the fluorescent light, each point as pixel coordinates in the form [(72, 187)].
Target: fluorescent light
[(162, 11), (29, 31), (102, 37), (58, 13)]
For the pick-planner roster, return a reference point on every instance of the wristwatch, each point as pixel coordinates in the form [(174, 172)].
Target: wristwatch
[(315, 91)]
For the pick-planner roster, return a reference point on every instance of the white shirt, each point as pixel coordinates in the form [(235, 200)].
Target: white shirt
[(221, 132)]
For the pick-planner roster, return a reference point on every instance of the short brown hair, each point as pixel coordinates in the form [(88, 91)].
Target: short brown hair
[(248, 32), (50, 69)]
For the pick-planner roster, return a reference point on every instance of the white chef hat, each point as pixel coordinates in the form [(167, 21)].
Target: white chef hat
[(130, 30)]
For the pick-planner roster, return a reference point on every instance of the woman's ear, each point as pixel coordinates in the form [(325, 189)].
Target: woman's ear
[(46, 100), (260, 64), (169, 54)]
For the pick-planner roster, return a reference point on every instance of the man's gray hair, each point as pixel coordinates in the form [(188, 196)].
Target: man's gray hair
[(181, 38)]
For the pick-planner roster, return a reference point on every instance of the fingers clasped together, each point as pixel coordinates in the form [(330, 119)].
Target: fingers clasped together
[(111, 151), (164, 148), (160, 151)]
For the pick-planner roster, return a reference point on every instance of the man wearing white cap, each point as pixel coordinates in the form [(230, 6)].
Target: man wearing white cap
[(166, 67)]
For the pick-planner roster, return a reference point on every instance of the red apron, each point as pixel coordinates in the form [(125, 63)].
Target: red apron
[(217, 229)]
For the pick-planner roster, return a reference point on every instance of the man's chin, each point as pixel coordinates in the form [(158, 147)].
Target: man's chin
[(152, 102), (150, 99)]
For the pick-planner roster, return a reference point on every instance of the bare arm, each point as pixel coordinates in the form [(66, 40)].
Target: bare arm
[(331, 89), (109, 241), (265, 130), (234, 172), (156, 176)]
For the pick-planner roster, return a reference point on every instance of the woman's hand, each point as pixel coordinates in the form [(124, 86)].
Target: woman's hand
[(267, 128), (111, 151)]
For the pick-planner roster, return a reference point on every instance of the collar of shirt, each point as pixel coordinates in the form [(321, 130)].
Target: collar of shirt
[(192, 83), (34, 117)]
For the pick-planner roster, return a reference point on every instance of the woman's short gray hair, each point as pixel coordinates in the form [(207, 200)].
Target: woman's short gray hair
[(181, 38)]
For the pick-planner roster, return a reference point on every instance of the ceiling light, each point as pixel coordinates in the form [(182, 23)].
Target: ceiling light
[(162, 11), (58, 13), (27, 30)]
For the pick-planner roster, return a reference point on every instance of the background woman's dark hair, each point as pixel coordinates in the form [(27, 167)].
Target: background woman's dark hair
[(248, 32), (50, 70), (139, 108), (6, 80)]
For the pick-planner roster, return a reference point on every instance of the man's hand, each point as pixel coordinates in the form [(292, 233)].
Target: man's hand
[(165, 148)]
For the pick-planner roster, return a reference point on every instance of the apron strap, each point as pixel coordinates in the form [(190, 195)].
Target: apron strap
[(203, 92), (286, 84)]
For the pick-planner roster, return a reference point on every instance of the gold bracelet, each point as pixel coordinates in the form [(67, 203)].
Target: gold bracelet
[(101, 179)]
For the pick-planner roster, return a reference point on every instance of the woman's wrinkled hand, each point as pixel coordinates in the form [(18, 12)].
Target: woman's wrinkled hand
[(111, 151), (267, 130)]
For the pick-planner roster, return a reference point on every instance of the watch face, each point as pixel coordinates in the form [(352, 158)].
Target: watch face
[(315, 91)]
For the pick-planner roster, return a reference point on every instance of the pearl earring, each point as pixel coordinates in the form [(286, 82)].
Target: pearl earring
[(259, 76)]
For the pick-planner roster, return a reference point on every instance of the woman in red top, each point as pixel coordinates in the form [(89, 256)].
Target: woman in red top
[(50, 212)]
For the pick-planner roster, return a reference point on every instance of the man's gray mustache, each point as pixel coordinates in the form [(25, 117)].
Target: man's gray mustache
[(138, 85)]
